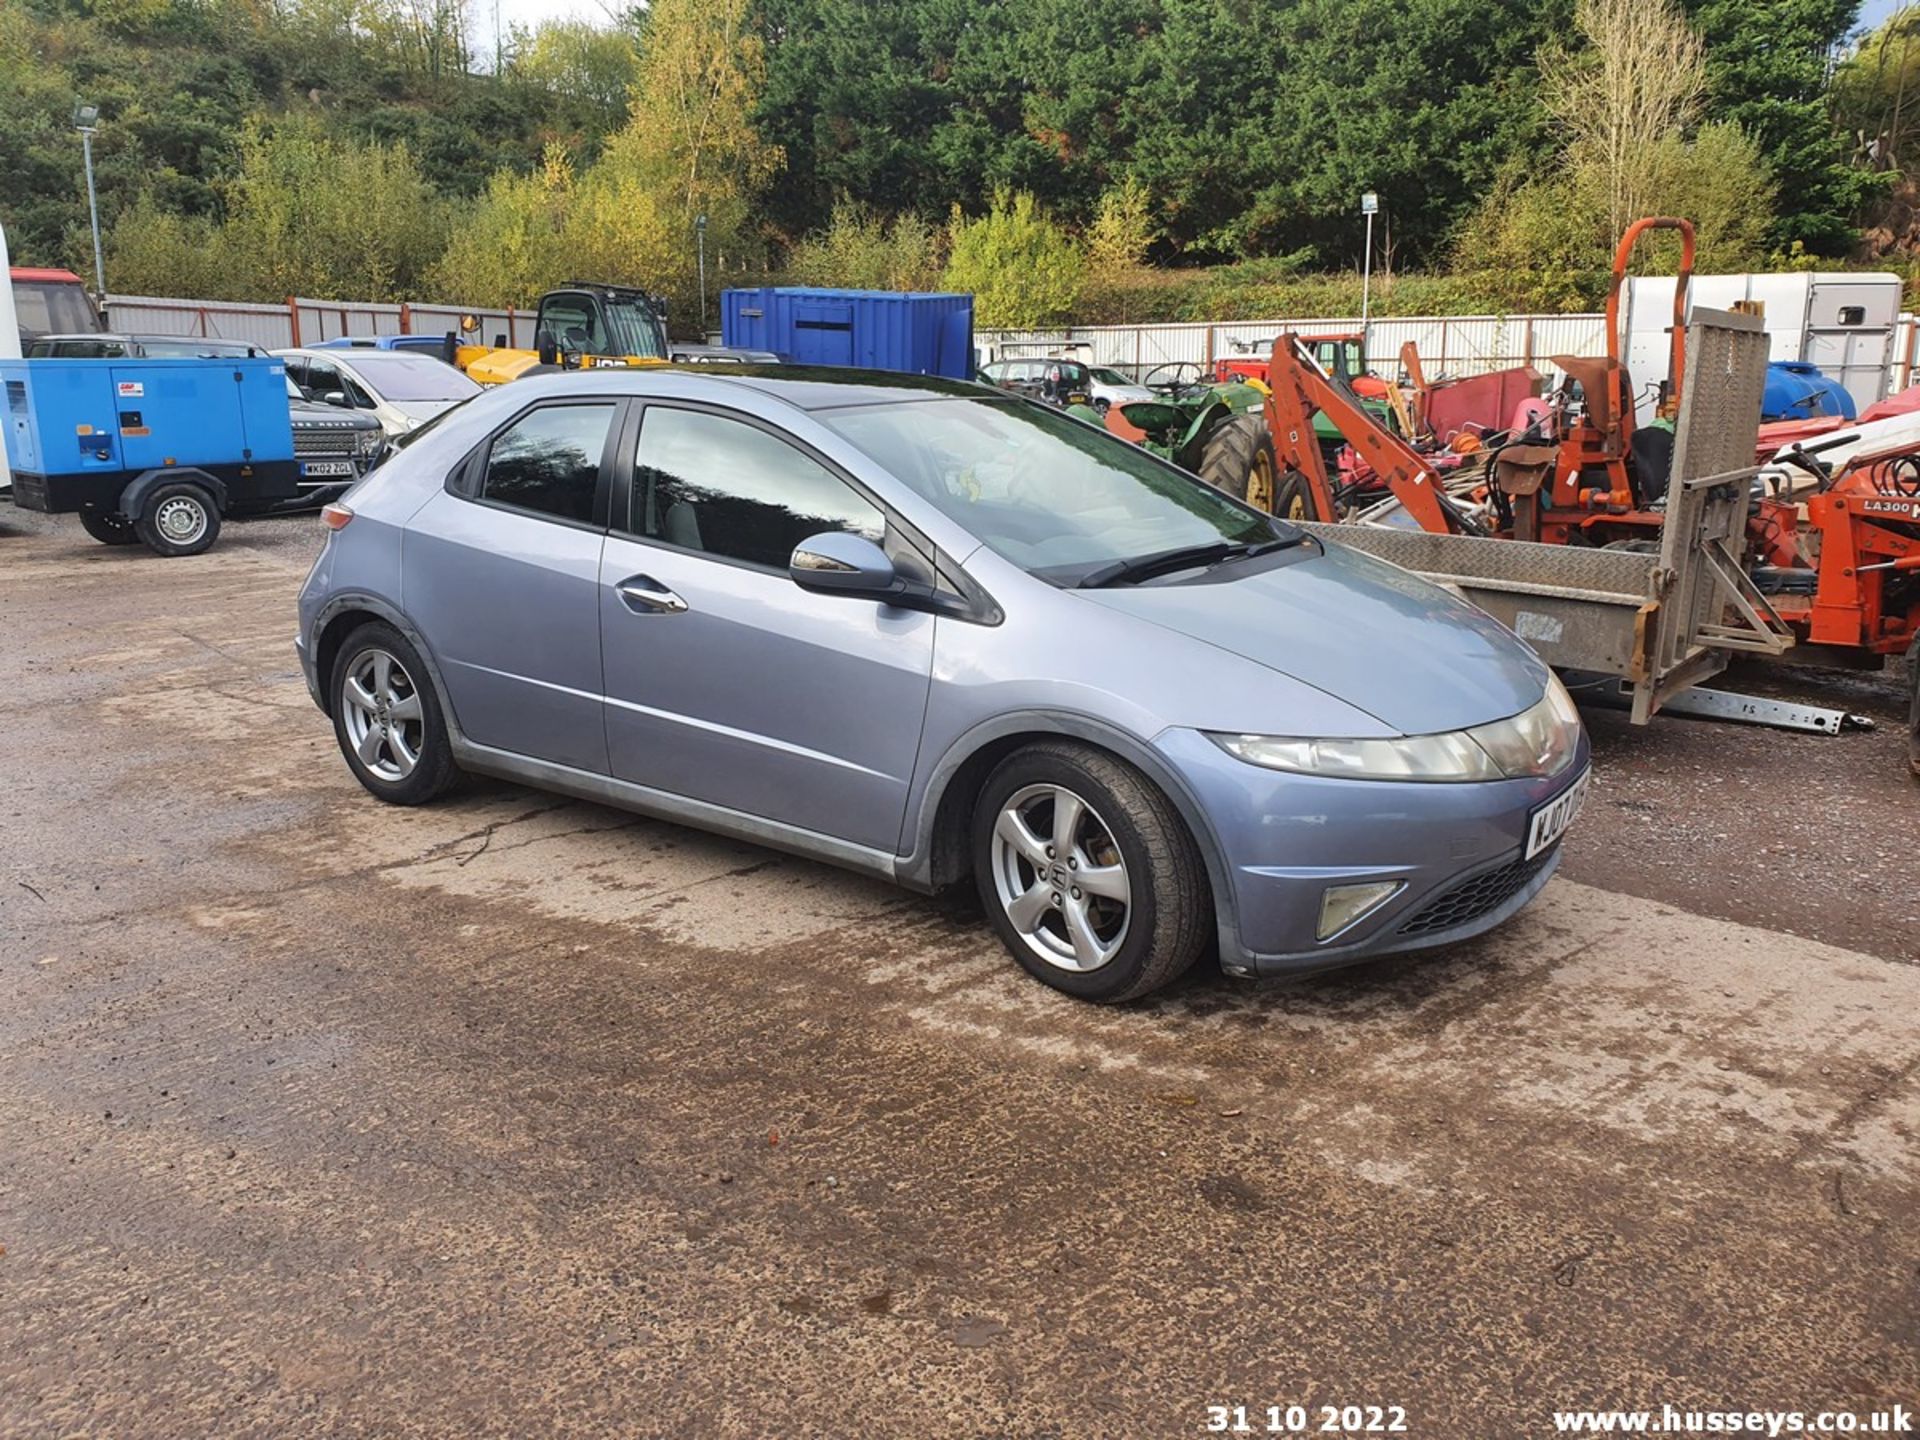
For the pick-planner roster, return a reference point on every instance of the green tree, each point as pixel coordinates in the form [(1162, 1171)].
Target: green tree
[(1023, 269), (859, 250), (1767, 65)]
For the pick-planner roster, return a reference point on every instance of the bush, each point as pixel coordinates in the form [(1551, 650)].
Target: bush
[(860, 251), (1022, 269)]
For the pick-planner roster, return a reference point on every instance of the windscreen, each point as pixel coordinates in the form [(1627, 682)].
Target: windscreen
[(634, 330), (1048, 492), (402, 378), (48, 307)]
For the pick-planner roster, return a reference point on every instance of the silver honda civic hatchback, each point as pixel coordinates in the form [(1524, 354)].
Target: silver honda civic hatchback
[(931, 631)]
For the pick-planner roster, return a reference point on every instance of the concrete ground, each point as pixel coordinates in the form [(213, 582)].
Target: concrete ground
[(514, 1115)]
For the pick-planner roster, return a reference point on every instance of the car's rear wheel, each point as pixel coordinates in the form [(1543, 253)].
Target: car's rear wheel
[(109, 527), (387, 718), (1088, 874)]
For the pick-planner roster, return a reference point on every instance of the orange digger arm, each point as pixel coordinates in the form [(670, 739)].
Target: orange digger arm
[(1682, 283), (1298, 389)]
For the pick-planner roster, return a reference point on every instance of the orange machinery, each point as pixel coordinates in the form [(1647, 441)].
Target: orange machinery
[(1845, 577)]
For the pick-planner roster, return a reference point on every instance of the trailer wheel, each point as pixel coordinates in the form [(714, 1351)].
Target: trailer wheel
[(109, 527), (1237, 457), (178, 519)]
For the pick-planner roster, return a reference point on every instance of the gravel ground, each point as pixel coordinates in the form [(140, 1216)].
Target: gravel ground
[(517, 1115)]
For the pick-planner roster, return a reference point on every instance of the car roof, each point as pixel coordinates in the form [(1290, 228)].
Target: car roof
[(143, 339), (806, 387)]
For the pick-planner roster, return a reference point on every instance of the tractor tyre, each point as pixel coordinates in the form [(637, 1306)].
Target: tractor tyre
[(1913, 708), (1237, 457), (1293, 500)]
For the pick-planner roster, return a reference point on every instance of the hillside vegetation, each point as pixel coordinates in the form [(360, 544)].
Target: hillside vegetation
[(1153, 159)]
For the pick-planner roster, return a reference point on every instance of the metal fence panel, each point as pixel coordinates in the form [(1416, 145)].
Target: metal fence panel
[(306, 322), (268, 326)]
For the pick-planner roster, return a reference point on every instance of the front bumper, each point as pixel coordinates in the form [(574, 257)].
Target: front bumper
[(1456, 850)]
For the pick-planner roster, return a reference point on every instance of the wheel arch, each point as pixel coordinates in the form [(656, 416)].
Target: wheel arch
[(940, 854), (345, 613), (134, 497)]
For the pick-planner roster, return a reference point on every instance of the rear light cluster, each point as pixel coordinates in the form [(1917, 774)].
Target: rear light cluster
[(335, 517)]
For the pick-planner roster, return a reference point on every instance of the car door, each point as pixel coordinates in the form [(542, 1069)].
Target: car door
[(501, 574), (725, 681)]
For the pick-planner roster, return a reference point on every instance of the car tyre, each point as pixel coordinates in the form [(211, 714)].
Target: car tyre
[(109, 527), (388, 719), (178, 519), (1056, 813)]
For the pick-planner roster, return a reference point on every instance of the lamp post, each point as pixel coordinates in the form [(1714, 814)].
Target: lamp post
[(700, 236), (1369, 207), (85, 119)]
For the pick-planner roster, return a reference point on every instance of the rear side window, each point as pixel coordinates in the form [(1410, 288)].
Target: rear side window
[(548, 461), (728, 489)]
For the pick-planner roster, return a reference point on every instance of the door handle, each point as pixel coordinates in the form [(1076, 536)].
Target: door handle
[(646, 595)]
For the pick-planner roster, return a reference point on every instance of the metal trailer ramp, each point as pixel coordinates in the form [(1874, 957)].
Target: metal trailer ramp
[(1660, 623)]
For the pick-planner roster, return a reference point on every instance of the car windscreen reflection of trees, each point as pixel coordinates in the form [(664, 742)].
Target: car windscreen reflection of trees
[(717, 485), (550, 461), (1046, 491)]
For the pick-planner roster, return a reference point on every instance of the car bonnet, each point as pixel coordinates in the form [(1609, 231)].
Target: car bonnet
[(1368, 633)]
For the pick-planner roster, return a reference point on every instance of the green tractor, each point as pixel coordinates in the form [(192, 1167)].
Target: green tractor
[(1216, 429)]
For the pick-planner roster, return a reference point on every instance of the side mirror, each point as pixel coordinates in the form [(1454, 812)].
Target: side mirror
[(336, 397), (549, 351), (469, 324), (844, 564)]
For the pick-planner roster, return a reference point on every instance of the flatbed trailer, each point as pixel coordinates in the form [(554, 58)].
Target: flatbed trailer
[(1659, 621)]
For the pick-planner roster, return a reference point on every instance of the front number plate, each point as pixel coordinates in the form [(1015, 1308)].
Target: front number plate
[(1551, 820), (327, 467)]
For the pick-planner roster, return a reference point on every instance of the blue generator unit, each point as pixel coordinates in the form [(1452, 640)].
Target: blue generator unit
[(155, 451), (919, 334)]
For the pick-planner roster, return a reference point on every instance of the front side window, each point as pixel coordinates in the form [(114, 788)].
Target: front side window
[(1056, 496), (548, 461), (573, 321), (704, 482)]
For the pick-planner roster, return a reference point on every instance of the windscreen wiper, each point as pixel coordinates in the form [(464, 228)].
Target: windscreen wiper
[(1185, 557)]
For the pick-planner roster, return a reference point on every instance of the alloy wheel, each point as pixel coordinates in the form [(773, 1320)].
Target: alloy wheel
[(384, 721), (1060, 877)]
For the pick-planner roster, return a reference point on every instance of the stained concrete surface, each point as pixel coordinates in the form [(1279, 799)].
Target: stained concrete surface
[(514, 1115)]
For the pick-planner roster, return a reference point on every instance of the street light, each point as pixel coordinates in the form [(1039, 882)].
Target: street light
[(700, 234), (1369, 207), (85, 119)]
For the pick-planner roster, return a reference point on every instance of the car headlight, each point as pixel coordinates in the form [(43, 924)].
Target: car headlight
[(365, 442), (1540, 740)]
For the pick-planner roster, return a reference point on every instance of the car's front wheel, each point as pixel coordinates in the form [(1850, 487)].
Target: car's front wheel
[(387, 718), (1088, 874)]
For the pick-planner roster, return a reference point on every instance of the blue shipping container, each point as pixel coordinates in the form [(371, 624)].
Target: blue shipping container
[(919, 334)]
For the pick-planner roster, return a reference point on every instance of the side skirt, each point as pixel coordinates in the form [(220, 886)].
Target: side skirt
[(678, 809)]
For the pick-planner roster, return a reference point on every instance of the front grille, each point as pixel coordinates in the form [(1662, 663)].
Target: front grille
[(1470, 899), (323, 442)]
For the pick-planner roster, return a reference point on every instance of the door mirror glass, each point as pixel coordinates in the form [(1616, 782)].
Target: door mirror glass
[(844, 563), (548, 351)]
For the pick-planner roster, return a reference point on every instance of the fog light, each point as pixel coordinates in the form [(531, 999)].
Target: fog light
[(1343, 905)]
